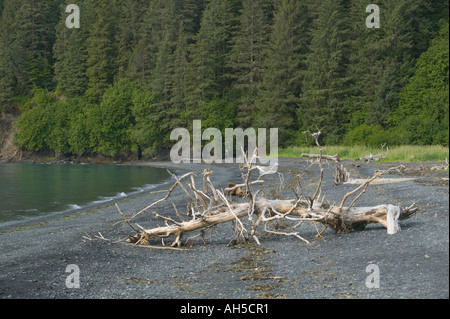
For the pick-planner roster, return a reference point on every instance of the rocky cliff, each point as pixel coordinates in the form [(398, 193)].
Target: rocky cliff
[(8, 152)]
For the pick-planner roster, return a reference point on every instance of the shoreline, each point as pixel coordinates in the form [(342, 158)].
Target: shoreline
[(74, 207), (34, 258), (32, 221)]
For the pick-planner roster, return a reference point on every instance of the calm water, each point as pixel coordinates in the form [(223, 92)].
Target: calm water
[(28, 190)]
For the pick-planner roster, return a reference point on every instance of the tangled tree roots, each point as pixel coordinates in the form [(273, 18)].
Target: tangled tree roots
[(209, 207)]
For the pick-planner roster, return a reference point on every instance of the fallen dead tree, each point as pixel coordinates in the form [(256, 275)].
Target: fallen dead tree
[(334, 158), (439, 167), (372, 158), (208, 207)]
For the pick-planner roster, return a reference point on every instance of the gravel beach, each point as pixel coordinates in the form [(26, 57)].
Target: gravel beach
[(413, 263)]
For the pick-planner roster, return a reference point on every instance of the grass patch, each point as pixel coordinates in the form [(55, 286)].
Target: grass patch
[(24, 228), (403, 154)]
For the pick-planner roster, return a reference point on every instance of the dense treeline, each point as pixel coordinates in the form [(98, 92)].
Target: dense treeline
[(137, 69)]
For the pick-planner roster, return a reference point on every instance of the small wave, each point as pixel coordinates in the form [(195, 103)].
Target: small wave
[(32, 210), (74, 206), (102, 200), (144, 188)]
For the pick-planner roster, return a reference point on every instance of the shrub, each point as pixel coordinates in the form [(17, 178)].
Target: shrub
[(373, 136)]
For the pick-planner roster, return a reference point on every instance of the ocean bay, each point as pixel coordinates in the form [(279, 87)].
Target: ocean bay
[(30, 190)]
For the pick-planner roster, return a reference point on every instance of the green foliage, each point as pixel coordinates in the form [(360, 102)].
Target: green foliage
[(373, 136), (281, 85), (35, 124), (208, 78), (180, 78), (326, 84), (73, 125), (70, 58), (403, 154), (60, 124), (137, 69), (27, 29), (83, 125), (115, 119), (47, 124), (247, 57), (423, 112), (101, 49), (217, 113), (34, 30), (146, 132)]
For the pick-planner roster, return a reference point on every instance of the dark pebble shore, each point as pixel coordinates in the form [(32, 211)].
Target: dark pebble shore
[(413, 263)]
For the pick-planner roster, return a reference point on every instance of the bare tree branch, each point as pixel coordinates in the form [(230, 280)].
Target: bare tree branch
[(217, 209)]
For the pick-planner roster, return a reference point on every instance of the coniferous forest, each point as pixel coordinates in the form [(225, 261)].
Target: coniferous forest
[(137, 69)]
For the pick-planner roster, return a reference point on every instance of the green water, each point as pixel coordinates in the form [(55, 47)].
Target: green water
[(29, 190)]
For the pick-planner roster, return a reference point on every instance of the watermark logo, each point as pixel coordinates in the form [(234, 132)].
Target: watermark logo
[(73, 280), (373, 20), (213, 152), (73, 19), (373, 280)]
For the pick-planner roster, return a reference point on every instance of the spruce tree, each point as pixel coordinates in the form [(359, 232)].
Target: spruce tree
[(207, 70), (247, 58), (28, 34), (128, 36), (2, 4), (180, 78), (365, 61), (423, 112), (158, 60), (326, 83), (70, 56), (35, 26), (281, 85), (383, 59), (162, 85), (101, 49), (151, 34), (190, 15), (161, 78), (396, 60), (12, 62)]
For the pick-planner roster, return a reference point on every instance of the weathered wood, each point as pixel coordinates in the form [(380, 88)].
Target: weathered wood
[(208, 220), (354, 218), (372, 158), (204, 212), (334, 158), (234, 190), (342, 175)]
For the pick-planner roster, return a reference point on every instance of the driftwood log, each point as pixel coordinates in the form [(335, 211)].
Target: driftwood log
[(334, 158), (372, 158), (342, 176), (210, 207)]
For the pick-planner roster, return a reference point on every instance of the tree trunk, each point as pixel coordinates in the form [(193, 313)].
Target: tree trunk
[(211, 207)]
